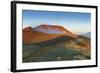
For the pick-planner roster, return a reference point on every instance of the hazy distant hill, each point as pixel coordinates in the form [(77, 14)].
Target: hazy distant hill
[(88, 34)]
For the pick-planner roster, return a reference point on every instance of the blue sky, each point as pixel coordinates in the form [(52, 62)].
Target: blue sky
[(73, 21)]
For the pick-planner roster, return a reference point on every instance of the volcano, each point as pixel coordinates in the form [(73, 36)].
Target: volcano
[(44, 33), (54, 43)]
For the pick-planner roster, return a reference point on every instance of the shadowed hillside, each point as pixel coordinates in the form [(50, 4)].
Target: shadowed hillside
[(59, 49)]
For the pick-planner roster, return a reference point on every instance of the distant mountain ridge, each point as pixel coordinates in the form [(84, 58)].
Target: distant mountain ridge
[(88, 34)]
